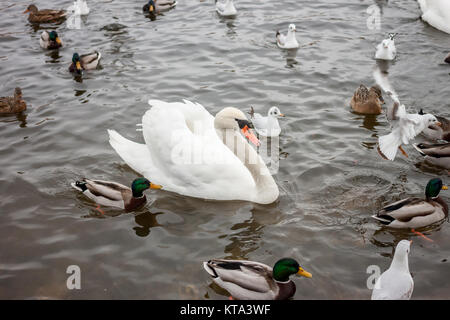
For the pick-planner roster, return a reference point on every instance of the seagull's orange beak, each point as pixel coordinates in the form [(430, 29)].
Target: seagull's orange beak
[(248, 133)]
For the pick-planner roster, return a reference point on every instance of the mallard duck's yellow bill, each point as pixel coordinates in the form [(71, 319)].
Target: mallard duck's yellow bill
[(78, 65), (58, 41), (155, 186), (304, 273), (248, 133), (151, 9), (444, 188)]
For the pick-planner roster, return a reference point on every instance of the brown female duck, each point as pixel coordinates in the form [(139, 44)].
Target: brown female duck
[(13, 104), (367, 101), (45, 15)]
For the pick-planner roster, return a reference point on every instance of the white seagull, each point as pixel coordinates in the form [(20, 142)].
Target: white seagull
[(226, 9), (396, 282), (287, 41), (386, 49), (267, 126), (406, 127)]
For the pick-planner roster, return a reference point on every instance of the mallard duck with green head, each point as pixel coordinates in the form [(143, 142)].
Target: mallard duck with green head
[(156, 6), (416, 212), (249, 280), (85, 62), (113, 194), (50, 40)]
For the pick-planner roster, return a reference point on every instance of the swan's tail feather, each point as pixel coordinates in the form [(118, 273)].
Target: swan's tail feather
[(388, 145), (135, 155)]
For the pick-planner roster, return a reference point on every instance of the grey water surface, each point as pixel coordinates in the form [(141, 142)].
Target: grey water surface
[(331, 177)]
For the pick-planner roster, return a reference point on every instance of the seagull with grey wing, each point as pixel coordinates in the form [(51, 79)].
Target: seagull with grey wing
[(396, 282), (406, 127)]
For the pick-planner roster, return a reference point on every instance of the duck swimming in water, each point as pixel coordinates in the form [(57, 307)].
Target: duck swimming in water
[(13, 104), (250, 280), (84, 62), (367, 101), (415, 212), (50, 40), (45, 15), (112, 194)]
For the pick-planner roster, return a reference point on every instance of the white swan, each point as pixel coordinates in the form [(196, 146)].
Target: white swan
[(287, 41), (267, 126), (194, 154), (436, 13), (386, 49), (226, 9), (396, 282)]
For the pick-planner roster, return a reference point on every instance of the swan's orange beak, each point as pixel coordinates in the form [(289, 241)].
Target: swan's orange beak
[(439, 124), (248, 133)]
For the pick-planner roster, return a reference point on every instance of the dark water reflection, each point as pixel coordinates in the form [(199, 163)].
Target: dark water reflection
[(330, 175)]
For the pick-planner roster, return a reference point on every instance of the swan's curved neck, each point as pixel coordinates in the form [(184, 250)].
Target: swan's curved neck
[(264, 181)]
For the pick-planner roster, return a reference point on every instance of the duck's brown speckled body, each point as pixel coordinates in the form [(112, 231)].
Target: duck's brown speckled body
[(13, 104), (45, 15), (367, 101)]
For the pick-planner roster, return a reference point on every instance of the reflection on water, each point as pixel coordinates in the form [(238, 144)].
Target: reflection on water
[(18, 117), (146, 221), (54, 56), (290, 57)]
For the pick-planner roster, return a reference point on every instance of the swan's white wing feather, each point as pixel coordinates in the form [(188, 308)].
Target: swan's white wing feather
[(188, 157), (436, 13)]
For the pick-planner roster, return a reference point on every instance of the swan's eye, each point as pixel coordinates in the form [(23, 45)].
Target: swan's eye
[(243, 123)]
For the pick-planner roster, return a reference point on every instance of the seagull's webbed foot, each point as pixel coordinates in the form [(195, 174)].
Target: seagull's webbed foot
[(403, 151)]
